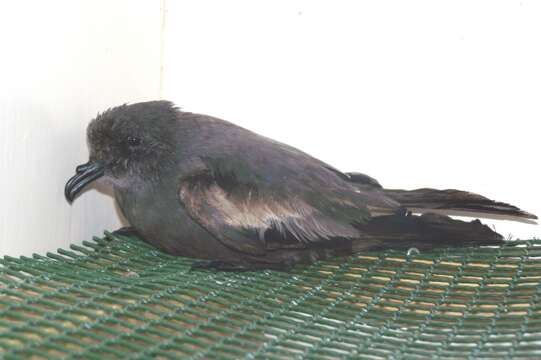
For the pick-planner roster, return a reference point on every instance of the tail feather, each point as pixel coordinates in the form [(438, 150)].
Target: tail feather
[(456, 200), (431, 230), (421, 200)]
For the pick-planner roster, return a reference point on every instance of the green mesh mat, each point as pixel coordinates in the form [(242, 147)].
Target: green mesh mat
[(119, 298)]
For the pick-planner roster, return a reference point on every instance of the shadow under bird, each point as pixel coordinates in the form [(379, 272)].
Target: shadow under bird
[(197, 186)]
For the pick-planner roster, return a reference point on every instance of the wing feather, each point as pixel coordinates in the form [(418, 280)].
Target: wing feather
[(240, 219)]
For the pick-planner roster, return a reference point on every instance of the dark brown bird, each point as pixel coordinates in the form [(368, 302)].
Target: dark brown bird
[(201, 187)]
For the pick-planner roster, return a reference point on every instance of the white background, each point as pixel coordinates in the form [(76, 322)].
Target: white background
[(414, 93), (445, 94), (61, 62)]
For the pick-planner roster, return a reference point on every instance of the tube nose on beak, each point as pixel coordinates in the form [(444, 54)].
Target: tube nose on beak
[(84, 175), (83, 167)]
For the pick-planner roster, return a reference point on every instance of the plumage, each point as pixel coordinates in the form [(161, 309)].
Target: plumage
[(198, 186)]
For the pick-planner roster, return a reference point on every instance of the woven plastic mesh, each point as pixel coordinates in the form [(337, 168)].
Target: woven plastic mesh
[(118, 297)]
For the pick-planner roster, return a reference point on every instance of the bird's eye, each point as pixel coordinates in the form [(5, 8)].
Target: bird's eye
[(133, 141)]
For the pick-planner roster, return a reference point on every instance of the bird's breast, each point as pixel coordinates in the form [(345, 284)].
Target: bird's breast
[(158, 215)]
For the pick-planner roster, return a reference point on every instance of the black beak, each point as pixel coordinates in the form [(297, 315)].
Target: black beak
[(85, 174)]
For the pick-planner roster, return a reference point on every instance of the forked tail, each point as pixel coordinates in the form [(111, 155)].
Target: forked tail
[(433, 228), (421, 200), (450, 200)]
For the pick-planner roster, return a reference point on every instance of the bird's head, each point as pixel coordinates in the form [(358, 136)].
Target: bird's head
[(125, 142)]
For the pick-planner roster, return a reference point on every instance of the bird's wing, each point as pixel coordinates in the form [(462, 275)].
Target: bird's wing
[(253, 211)]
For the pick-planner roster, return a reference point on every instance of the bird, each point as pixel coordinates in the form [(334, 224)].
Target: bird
[(197, 186)]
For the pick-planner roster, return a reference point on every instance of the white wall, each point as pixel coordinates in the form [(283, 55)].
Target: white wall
[(415, 93), (61, 62)]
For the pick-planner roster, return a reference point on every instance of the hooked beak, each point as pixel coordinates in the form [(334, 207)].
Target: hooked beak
[(85, 174)]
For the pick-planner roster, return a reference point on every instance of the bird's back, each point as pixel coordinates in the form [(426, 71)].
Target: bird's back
[(272, 165)]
